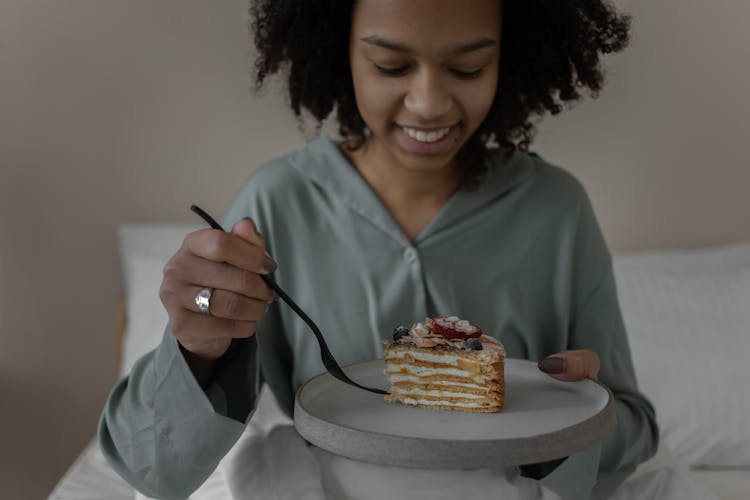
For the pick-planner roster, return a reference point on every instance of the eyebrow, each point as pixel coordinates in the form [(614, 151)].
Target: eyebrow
[(398, 47)]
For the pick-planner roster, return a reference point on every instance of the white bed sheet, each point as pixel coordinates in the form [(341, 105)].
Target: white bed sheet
[(90, 478), (724, 484), (661, 478)]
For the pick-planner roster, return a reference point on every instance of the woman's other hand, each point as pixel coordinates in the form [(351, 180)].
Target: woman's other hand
[(571, 365), (230, 265)]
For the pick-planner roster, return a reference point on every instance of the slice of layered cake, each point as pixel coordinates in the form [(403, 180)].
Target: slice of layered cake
[(445, 363)]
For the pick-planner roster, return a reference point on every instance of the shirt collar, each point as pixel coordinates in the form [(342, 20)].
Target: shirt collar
[(323, 163)]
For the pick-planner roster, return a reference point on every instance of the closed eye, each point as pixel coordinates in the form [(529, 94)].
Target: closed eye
[(467, 75), (392, 71)]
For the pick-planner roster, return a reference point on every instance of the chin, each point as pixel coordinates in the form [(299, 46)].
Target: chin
[(422, 163)]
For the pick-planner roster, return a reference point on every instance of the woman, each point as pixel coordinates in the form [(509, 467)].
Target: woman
[(429, 205)]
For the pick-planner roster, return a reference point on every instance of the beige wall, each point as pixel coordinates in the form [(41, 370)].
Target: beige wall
[(115, 111), (663, 152)]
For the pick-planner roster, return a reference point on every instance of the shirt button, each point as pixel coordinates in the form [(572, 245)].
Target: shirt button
[(410, 255)]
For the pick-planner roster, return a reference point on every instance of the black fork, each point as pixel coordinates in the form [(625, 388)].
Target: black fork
[(325, 354)]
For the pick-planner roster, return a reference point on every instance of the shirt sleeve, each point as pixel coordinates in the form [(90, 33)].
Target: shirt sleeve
[(597, 324), (162, 432)]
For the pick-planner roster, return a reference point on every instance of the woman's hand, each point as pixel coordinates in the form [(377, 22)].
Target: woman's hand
[(571, 365), (230, 264)]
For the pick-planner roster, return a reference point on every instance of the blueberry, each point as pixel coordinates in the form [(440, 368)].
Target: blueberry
[(475, 344), (399, 332)]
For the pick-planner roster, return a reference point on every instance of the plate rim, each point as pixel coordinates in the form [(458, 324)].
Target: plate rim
[(486, 452)]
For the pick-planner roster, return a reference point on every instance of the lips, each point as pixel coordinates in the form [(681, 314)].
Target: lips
[(428, 140), (426, 135)]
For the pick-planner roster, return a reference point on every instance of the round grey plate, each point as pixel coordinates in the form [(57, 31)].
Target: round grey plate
[(543, 419)]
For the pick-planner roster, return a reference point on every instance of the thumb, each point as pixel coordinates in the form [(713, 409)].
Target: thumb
[(570, 366), (247, 230)]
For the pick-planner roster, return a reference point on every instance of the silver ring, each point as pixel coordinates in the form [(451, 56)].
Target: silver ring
[(203, 301)]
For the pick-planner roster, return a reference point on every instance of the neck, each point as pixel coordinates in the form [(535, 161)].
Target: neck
[(413, 197), (397, 185)]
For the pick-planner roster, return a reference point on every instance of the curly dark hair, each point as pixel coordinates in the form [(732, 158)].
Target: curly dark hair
[(551, 53)]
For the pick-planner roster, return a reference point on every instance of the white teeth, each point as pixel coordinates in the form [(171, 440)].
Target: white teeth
[(422, 136)]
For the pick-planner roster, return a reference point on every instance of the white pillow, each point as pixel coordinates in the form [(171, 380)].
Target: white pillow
[(728, 257), (688, 321), (144, 249)]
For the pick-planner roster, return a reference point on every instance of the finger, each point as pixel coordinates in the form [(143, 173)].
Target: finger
[(197, 328), (226, 304), (219, 246), (570, 366), (195, 271), (247, 230)]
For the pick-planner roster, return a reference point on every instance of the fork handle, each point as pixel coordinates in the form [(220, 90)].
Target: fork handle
[(328, 360)]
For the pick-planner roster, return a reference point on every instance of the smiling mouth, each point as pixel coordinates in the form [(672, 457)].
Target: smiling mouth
[(426, 135)]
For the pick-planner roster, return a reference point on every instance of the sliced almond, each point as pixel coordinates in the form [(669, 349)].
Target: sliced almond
[(490, 340), (422, 342), (420, 331)]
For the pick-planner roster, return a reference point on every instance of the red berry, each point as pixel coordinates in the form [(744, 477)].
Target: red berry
[(448, 330)]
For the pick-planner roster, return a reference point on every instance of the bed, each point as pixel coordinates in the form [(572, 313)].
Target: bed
[(688, 319)]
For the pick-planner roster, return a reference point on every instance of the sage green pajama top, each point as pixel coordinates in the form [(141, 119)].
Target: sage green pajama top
[(522, 257)]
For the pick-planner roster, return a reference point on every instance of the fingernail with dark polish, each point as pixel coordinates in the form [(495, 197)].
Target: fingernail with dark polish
[(552, 365), (269, 265)]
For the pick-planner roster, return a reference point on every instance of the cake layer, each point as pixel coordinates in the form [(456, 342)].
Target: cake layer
[(467, 370), (440, 385), (433, 371), (439, 356), (434, 380), (472, 406), (444, 394)]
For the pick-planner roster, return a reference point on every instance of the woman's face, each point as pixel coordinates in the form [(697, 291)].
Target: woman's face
[(425, 74)]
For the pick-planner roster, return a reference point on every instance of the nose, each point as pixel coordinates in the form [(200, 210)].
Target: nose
[(427, 96)]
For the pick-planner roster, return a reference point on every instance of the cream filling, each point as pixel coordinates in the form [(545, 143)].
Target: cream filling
[(418, 380), (427, 402), (439, 394), (427, 372), (422, 136), (445, 359)]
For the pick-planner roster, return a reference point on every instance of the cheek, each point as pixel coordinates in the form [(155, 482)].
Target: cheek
[(477, 103), (377, 101)]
